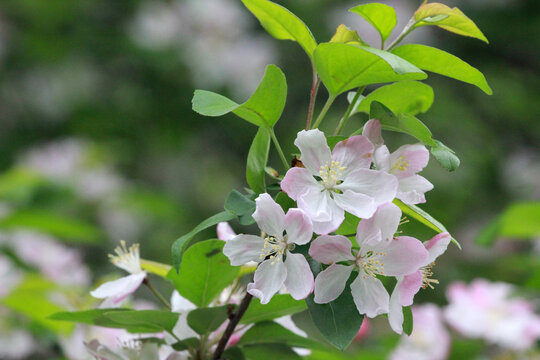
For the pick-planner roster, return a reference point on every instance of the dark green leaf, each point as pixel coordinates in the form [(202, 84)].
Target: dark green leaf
[(233, 353), (279, 306), (407, 320), (270, 352), (162, 320), (273, 333), (445, 156), (256, 161), (285, 201), (349, 225), (185, 344), (239, 204), (333, 140), (382, 17), (206, 320), (85, 316)]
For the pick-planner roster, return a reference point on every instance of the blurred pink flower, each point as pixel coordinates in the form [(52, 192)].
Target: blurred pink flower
[(10, 276)]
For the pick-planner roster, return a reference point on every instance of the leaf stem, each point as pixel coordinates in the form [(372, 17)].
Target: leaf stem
[(324, 110), (349, 110), (234, 320), (278, 148), (406, 30), (312, 96), (160, 297)]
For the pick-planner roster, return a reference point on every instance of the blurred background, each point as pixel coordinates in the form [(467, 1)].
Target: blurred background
[(98, 142)]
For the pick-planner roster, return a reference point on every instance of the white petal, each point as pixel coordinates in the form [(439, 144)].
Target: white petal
[(299, 281), (330, 282), (411, 189), (353, 153), (382, 187), (408, 160), (225, 231), (370, 296), (119, 289), (329, 249), (381, 159), (381, 227), (395, 313), (180, 304), (298, 181), (372, 130), (243, 249), (323, 211), (181, 328), (298, 226), (314, 149), (269, 215), (360, 205), (402, 256), (437, 246), (268, 280)]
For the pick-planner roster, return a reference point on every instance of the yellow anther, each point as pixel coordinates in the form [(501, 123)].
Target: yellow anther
[(400, 165)]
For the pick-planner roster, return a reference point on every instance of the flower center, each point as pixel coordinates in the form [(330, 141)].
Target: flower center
[(426, 277), (400, 165), (273, 249), (331, 175), (127, 259), (371, 263)]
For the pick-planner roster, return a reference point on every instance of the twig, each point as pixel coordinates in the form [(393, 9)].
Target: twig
[(312, 96), (160, 297)]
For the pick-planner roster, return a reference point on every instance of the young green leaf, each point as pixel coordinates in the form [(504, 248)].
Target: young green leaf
[(407, 320), (155, 267), (445, 156), (273, 333), (161, 320), (206, 320), (450, 19), (411, 97), (344, 67), (205, 271), (263, 108), (345, 35), (282, 24), (279, 306), (382, 17), (256, 161), (440, 62)]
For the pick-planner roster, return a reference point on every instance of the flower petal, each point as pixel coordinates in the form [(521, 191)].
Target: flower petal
[(370, 296), (403, 255), (180, 304), (329, 249), (382, 187), (299, 281), (381, 158), (243, 249), (408, 160), (330, 282), (395, 312), (353, 153), (360, 205), (269, 216), (411, 189), (298, 226), (372, 130), (437, 246), (181, 328), (225, 231), (323, 211), (119, 289), (268, 280), (408, 286), (298, 181), (314, 150), (381, 227)]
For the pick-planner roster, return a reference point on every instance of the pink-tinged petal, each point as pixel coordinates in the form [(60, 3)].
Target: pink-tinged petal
[(329, 249), (269, 215), (411, 189), (243, 249), (403, 255), (408, 160), (395, 313), (225, 231), (381, 227), (408, 286), (299, 281), (298, 226), (323, 211), (314, 150), (372, 130), (119, 289), (323, 228), (382, 187), (298, 181), (381, 159), (360, 205), (437, 246), (353, 153), (330, 282), (268, 280), (370, 296)]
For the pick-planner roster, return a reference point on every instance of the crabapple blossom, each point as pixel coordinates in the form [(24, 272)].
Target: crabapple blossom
[(333, 182), (408, 285), (487, 310), (117, 290), (404, 164), (399, 256), (278, 265), (224, 231)]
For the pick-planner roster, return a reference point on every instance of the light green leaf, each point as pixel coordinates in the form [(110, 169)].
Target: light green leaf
[(205, 271), (407, 320), (345, 35), (279, 306), (263, 108), (160, 320), (411, 97), (282, 24), (440, 62), (19, 184), (206, 320), (445, 156), (382, 17), (85, 316), (273, 333), (256, 161), (344, 67), (450, 19), (349, 225)]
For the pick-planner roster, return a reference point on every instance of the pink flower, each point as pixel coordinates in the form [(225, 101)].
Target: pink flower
[(404, 164), (487, 310), (408, 285), (429, 340), (278, 265), (333, 182), (224, 231), (394, 257)]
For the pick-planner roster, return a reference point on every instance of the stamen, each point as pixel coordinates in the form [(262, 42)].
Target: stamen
[(404, 220), (400, 165), (127, 259), (427, 274), (273, 249), (331, 174), (371, 264)]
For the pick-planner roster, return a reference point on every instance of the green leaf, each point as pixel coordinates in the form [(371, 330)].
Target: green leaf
[(205, 271), (440, 62), (349, 225), (256, 161), (206, 320), (285, 201), (239, 204), (234, 353), (160, 320), (411, 97), (273, 333), (270, 352), (344, 67), (85, 316), (155, 267), (185, 344), (445, 156), (407, 320), (18, 184), (183, 242), (333, 140), (450, 19), (345, 35), (282, 24), (263, 108), (279, 306), (382, 17)]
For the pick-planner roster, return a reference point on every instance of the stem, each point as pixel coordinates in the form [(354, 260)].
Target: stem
[(406, 30), (324, 111), (278, 148), (312, 96), (160, 297), (235, 319), (349, 110)]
